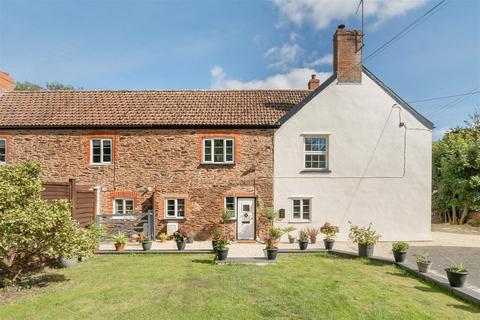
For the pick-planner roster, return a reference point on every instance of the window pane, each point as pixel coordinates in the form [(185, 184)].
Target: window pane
[(3, 150), (171, 207), (119, 206), (180, 207), (96, 151), (128, 206), (107, 150), (230, 203), (306, 209), (229, 150), (208, 151), (218, 150), (296, 209)]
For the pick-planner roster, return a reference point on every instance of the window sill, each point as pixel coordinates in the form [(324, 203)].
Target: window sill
[(316, 170), (299, 221), (101, 164), (174, 219), (217, 163)]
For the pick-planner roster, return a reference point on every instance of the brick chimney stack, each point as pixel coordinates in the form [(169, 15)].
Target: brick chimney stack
[(313, 83), (7, 83), (347, 54)]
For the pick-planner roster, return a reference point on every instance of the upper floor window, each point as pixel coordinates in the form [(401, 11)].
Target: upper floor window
[(123, 206), (175, 208), (316, 153), (301, 209), (101, 151), (3, 151), (218, 151)]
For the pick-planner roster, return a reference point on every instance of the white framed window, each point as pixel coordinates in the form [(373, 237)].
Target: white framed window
[(3, 151), (218, 150), (101, 151), (175, 208), (230, 204), (315, 152), (302, 209), (123, 206)]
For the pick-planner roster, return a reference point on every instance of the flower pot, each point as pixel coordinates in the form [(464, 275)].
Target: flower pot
[(181, 245), (222, 254), (456, 279), (272, 254), (313, 240), (146, 245), (291, 239), (365, 251), (399, 256), (328, 243), (303, 244), (190, 239), (67, 263), (423, 266), (119, 246)]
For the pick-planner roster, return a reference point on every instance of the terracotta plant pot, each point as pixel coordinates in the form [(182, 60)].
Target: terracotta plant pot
[(456, 279), (423, 267), (313, 240), (328, 243), (365, 251), (119, 246)]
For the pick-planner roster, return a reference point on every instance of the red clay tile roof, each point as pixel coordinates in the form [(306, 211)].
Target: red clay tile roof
[(146, 108)]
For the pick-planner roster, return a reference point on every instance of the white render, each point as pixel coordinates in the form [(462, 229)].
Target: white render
[(367, 182)]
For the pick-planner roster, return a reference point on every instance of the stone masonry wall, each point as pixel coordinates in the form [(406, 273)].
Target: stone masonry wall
[(166, 161)]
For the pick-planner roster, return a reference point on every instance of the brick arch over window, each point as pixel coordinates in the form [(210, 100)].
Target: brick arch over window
[(111, 196)]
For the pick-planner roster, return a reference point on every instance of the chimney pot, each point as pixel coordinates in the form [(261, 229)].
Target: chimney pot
[(313, 83), (341, 26)]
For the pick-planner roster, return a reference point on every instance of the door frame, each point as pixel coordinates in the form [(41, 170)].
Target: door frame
[(254, 217)]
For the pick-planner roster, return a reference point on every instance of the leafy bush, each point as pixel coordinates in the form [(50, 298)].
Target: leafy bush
[(34, 231), (363, 235), (303, 236), (120, 238), (222, 243), (400, 246), (217, 234), (329, 230), (423, 256), (163, 236), (275, 233)]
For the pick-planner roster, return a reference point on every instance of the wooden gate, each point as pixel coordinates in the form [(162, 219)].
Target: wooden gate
[(83, 199)]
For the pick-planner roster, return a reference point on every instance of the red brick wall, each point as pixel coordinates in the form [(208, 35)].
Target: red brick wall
[(165, 160), (347, 55)]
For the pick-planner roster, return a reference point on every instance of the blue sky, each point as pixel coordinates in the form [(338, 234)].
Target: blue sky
[(241, 44)]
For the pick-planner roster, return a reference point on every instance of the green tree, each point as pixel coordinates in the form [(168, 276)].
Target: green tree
[(33, 231), (27, 86), (456, 172), (52, 86), (58, 86)]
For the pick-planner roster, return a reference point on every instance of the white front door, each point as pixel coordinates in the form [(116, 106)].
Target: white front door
[(246, 218)]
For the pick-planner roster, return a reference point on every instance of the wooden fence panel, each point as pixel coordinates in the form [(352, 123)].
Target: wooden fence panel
[(83, 201)]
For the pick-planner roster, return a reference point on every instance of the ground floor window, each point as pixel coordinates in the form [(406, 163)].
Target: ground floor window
[(3, 151), (230, 207), (123, 206), (301, 209), (175, 208)]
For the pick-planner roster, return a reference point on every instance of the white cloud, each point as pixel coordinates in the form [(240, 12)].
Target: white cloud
[(294, 36), (324, 60), (323, 12), (283, 55), (294, 79), (438, 133)]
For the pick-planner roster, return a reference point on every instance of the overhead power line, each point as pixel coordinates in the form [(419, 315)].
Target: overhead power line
[(445, 97), (453, 103)]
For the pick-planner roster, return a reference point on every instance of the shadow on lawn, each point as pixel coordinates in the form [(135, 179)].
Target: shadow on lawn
[(468, 308), (202, 261)]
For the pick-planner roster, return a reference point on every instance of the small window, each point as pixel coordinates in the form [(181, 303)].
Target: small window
[(175, 208), (230, 205), (3, 151), (101, 151), (218, 151), (301, 209), (315, 153), (123, 206)]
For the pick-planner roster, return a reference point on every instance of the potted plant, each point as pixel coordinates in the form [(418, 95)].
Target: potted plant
[(303, 239), (275, 233), (180, 237), (163, 237), (120, 239), (399, 249), (216, 235), (221, 247), (271, 247), (190, 238), (146, 242), (312, 234), (330, 232), (291, 238), (457, 273), (365, 237), (423, 261)]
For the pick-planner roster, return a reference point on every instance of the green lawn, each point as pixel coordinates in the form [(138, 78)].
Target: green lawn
[(190, 287)]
